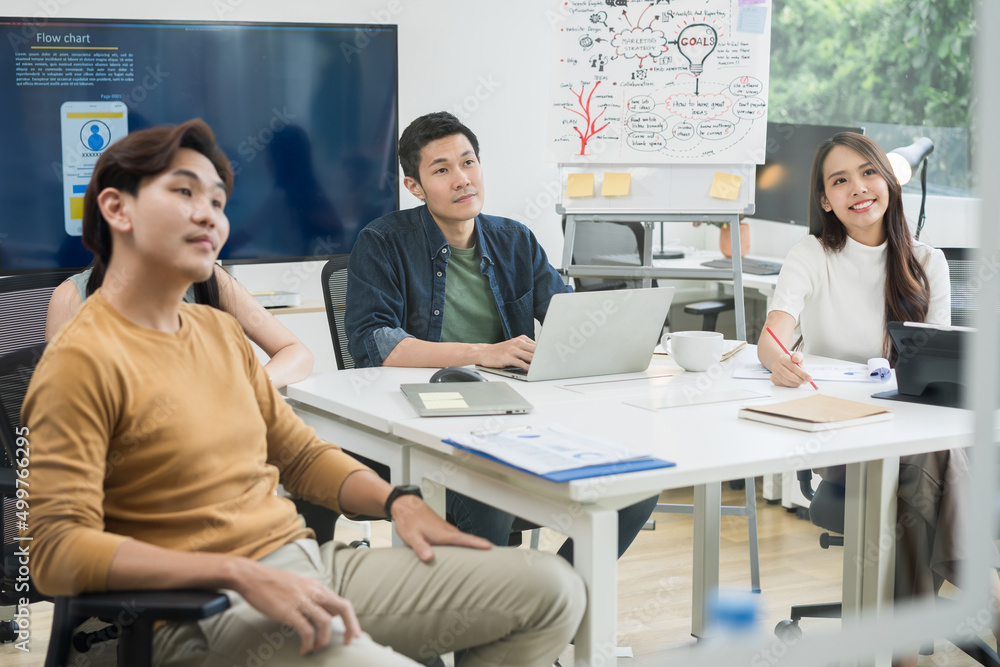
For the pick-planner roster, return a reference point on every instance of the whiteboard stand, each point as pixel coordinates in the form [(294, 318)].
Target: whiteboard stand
[(647, 272)]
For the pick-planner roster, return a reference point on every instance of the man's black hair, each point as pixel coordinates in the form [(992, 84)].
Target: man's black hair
[(424, 130)]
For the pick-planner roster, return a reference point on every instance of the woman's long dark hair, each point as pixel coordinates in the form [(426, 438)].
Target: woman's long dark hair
[(907, 290), (123, 166)]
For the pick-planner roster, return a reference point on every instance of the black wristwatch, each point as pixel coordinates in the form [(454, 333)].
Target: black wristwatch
[(409, 490)]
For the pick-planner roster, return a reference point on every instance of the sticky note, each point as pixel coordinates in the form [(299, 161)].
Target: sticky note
[(752, 19), (439, 395), (615, 185), (76, 208), (725, 186), (752, 2), (580, 185)]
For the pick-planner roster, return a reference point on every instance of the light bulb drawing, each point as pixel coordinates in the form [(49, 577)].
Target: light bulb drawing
[(696, 42)]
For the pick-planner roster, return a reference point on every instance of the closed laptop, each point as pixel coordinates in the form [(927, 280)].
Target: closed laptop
[(453, 399)]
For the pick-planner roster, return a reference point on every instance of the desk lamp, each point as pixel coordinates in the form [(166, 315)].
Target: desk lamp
[(904, 160)]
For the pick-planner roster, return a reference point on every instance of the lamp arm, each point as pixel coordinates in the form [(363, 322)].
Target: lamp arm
[(923, 198)]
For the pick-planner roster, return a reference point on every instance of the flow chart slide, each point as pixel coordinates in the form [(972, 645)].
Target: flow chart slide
[(659, 81)]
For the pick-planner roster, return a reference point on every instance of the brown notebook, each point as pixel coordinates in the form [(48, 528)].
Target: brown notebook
[(817, 413)]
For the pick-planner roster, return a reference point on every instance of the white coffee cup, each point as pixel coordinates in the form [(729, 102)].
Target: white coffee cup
[(693, 350)]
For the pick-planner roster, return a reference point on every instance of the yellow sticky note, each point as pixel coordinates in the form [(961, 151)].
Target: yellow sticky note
[(616, 185), (580, 185), (725, 186), (76, 208)]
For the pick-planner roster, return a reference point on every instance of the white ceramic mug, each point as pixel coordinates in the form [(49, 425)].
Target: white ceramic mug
[(693, 350)]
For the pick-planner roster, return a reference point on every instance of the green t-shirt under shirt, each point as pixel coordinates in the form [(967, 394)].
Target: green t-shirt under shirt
[(470, 312)]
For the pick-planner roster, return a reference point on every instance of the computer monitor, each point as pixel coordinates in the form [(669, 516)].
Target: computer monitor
[(782, 190), (929, 366), (306, 112)]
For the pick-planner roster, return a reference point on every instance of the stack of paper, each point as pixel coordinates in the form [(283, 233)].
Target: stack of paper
[(817, 413), (555, 452)]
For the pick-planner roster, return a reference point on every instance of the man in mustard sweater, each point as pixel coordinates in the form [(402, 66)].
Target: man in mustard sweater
[(157, 444)]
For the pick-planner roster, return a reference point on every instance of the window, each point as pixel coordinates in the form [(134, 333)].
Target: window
[(899, 68)]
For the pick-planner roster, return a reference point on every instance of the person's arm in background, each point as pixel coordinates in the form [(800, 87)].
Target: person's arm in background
[(417, 353), (290, 360), (794, 288), (784, 371), (63, 305)]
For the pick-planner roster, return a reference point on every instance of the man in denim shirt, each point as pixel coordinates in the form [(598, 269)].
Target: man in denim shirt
[(444, 285)]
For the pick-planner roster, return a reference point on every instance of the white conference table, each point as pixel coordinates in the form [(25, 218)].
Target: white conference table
[(363, 411)]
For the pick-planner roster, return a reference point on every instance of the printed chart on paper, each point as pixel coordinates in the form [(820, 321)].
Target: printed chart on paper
[(659, 81)]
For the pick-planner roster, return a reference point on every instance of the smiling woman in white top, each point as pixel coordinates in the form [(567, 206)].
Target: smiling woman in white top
[(856, 271)]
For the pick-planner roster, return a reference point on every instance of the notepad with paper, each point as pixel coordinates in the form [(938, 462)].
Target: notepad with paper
[(555, 453), (816, 413)]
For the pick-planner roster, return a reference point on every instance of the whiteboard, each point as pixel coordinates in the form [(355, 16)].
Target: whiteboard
[(682, 81), (667, 188)]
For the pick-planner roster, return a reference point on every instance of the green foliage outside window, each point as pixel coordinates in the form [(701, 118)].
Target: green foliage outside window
[(878, 64)]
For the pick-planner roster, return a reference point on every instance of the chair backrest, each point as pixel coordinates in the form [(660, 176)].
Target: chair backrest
[(962, 271), (24, 302), (15, 374), (334, 279), (595, 242)]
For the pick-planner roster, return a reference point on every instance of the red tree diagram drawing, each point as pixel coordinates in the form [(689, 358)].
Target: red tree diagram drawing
[(590, 125)]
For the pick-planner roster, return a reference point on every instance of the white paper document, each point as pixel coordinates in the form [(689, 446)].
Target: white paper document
[(546, 449), (876, 370)]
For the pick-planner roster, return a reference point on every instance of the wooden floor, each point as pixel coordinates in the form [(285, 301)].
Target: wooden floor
[(654, 602)]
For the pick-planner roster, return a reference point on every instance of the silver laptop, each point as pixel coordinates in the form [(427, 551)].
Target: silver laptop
[(596, 333), (454, 399)]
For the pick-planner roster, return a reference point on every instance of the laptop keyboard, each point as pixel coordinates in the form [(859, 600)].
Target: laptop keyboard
[(758, 267), (514, 369)]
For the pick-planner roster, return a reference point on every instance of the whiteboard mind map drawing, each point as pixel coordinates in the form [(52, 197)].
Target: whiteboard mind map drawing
[(659, 81)]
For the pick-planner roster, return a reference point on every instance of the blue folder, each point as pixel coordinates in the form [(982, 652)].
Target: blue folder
[(617, 468)]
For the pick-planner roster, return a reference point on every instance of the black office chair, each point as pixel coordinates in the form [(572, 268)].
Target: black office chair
[(826, 510), (24, 303), (133, 630), (962, 272), (334, 280)]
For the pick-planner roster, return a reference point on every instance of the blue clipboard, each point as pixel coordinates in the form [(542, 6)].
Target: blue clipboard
[(618, 468)]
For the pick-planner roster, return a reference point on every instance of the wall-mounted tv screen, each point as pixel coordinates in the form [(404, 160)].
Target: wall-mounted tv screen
[(306, 112), (782, 190)]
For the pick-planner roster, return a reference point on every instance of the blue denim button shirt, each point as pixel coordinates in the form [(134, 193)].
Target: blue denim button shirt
[(397, 272)]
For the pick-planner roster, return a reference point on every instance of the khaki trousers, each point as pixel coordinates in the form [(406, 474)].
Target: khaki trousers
[(505, 606)]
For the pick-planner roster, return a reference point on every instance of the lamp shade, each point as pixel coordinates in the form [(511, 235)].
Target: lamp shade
[(904, 160)]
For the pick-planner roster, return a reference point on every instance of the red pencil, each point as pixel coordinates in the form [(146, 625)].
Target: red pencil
[(785, 350)]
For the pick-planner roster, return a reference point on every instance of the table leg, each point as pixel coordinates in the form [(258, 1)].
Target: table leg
[(594, 558), (705, 579), (870, 544)]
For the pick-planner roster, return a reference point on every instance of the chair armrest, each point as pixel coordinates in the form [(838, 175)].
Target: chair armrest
[(805, 483), (179, 605)]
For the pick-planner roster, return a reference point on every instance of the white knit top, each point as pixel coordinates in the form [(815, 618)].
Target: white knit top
[(838, 298)]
